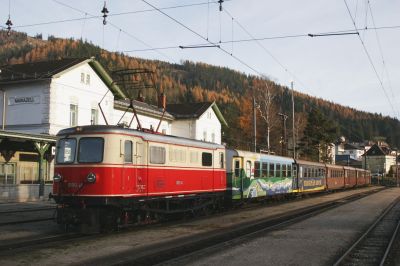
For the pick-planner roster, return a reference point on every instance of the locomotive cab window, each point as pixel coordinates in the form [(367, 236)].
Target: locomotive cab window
[(90, 150), (66, 150), (206, 159)]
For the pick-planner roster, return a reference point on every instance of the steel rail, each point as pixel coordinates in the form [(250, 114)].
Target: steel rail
[(367, 233)]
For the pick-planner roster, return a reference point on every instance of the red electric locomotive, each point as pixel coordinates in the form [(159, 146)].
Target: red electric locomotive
[(107, 173)]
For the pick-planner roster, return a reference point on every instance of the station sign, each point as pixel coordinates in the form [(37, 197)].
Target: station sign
[(24, 100)]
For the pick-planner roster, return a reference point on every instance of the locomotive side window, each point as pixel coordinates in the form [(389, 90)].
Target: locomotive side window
[(157, 155), (257, 169), (206, 159), (177, 155), (66, 150), (90, 150), (289, 170), (194, 157), (128, 151)]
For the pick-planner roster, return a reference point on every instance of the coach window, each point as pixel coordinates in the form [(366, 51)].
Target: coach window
[(128, 151), (264, 169), (289, 170), (237, 168), (278, 170), (66, 150), (257, 169), (271, 170), (248, 168), (283, 170), (206, 159), (90, 150), (157, 155)]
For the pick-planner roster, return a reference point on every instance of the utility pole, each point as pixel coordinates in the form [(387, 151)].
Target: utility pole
[(283, 143), (293, 132), (255, 123), (397, 169)]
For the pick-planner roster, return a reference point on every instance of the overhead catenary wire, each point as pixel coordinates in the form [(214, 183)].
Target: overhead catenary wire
[(265, 49), (381, 50), (116, 27), (370, 61), (202, 37)]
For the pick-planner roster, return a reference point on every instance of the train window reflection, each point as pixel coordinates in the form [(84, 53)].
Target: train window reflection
[(157, 155), (90, 150), (66, 150), (128, 151)]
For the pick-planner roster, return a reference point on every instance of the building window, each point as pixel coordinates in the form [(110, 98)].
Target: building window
[(93, 117), (82, 77), (87, 79), (213, 137), (73, 115), (204, 135), (7, 174)]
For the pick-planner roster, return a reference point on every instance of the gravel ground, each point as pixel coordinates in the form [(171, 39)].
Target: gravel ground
[(319, 240), (102, 250)]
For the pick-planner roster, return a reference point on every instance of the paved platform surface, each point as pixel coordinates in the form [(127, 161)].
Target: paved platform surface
[(319, 240), (104, 250)]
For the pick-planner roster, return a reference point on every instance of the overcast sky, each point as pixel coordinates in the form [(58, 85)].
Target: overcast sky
[(334, 68)]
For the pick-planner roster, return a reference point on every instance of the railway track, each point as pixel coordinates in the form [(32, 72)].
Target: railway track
[(375, 245), (48, 215), (209, 242)]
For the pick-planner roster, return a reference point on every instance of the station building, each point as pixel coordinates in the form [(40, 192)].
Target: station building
[(39, 99)]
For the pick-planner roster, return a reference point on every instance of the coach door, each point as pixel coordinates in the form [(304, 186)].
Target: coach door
[(237, 178)]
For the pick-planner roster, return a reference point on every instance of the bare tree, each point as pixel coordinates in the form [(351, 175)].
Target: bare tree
[(264, 99)]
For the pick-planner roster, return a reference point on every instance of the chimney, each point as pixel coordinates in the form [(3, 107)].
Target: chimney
[(162, 101)]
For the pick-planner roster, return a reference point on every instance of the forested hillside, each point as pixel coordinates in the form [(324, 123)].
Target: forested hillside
[(233, 91)]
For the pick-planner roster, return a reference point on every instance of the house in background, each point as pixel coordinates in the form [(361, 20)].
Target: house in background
[(350, 154), (39, 99), (201, 121), (379, 158)]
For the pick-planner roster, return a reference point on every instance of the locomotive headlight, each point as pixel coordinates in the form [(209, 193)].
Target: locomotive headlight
[(91, 178), (57, 177)]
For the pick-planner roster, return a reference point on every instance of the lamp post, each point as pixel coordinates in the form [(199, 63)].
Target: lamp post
[(293, 133)]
